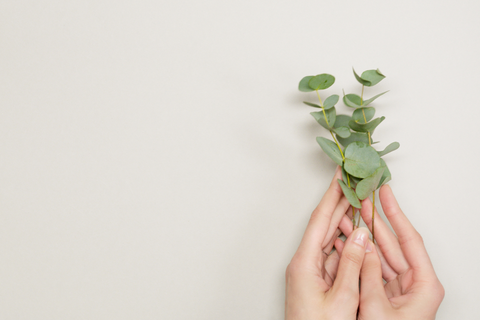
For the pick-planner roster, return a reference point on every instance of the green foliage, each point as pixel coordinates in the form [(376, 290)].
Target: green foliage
[(369, 184), (350, 194), (361, 160), (331, 101), (331, 116), (331, 149), (391, 147), (354, 136), (363, 169), (303, 85), (321, 81), (360, 114), (367, 127)]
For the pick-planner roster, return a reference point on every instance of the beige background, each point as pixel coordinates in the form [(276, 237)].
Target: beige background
[(157, 162)]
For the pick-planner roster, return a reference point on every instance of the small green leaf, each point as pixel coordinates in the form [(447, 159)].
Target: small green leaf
[(354, 136), (386, 176), (331, 149), (365, 82), (303, 85), (369, 184), (391, 147), (361, 160), (351, 100), (367, 102), (368, 127), (321, 81), (312, 104), (343, 132), (358, 114), (372, 76), (342, 121), (331, 117), (350, 195), (331, 101)]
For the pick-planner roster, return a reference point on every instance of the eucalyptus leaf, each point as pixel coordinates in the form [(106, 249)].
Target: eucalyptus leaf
[(358, 114), (342, 121), (331, 115), (343, 132), (367, 102), (352, 100), (331, 149), (303, 85), (321, 81), (331, 101), (391, 147), (361, 160), (350, 195), (365, 82), (369, 184), (372, 76), (312, 104), (354, 136), (386, 176), (367, 127)]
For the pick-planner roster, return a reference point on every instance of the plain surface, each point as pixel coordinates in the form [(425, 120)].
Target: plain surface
[(157, 161)]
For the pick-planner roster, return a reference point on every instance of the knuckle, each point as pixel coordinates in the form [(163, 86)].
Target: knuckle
[(353, 257)]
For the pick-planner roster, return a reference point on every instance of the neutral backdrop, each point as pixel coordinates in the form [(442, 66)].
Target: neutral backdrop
[(157, 162)]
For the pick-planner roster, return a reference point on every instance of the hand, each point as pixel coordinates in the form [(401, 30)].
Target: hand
[(319, 285), (412, 291)]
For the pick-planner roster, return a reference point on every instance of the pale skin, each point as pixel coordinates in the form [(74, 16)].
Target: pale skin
[(321, 286)]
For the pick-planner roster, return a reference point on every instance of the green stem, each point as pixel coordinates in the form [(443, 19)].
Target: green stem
[(323, 109)]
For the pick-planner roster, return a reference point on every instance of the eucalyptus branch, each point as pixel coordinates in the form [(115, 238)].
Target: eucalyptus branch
[(362, 166)]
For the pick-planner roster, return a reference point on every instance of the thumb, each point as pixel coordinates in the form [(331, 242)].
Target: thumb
[(371, 286), (346, 283)]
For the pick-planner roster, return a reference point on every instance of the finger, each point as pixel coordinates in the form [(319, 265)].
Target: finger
[(331, 265), (387, 271), (337, 216), (372, 291), (350, 263), (410, 240), (328, 248), (319, 223), (386, 240), (346, 226), (339, 245)]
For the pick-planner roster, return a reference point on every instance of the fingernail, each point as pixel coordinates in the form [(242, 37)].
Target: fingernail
[(369, 246), (361, 238)]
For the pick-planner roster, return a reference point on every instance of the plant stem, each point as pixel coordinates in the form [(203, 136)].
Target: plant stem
[(323, 109), (373, 194), (373, 218)]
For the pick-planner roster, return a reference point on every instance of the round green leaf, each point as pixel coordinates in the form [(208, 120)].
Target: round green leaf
[(312, 104), (367, 102), (330, 101), (331, 149), (361, 160), (303, 85), (369, 184), (372, 76), (367, 127), (365, 82), (354, 136), (391, 147), (358, 114), (331, 115), (321, 81), (350, 195), (343, 132), (352, 100), (342, 121)]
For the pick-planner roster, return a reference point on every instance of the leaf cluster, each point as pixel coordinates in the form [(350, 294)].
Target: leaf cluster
[(363, 169)]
